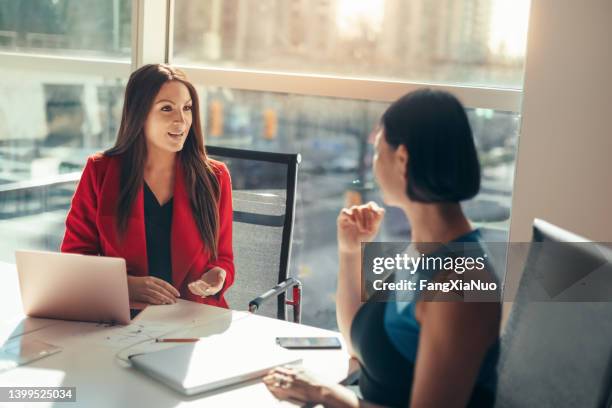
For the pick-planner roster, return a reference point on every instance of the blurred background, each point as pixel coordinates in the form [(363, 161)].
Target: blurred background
[(64, 65)]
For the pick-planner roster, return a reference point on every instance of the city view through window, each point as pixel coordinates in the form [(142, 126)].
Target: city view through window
[(468, 42), (50, 122)]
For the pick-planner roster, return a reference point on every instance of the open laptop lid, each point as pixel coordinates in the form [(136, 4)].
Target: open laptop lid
[(73, 287)]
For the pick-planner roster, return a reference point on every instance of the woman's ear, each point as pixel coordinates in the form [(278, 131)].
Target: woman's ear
[(401, 162), (401, 158)]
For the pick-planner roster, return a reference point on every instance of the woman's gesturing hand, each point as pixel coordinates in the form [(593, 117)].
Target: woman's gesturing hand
[(151, 290), (210, 283), (359, 223)]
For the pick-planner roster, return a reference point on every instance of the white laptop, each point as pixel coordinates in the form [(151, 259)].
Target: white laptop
[(213, 362), (73, 287)]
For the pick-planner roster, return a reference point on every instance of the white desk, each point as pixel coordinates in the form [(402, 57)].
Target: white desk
[(91, 357)]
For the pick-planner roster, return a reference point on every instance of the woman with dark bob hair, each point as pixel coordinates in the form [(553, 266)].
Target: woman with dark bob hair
[(425, 352), (156, 199)]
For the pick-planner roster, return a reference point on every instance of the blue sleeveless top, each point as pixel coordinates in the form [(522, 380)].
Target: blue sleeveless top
[(403, 329)]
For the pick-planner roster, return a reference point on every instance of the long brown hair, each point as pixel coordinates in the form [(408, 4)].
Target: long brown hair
[(200, 180)]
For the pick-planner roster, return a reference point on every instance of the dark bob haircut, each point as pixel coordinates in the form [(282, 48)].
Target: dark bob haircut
[(442, 160)]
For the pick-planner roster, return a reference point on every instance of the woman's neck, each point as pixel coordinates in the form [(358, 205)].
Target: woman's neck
[(436, 222), (159, 162)]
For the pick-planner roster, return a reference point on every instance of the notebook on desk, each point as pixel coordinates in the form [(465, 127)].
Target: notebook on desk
[(211, 363)]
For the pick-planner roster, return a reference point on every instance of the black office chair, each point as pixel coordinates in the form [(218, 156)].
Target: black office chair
[(556, 349), (264, 190)]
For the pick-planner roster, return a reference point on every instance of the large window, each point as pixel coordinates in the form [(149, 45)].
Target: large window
[(278, 75), (334, 139), (49, 124), (63, 70), (478, 42), (67, 27)]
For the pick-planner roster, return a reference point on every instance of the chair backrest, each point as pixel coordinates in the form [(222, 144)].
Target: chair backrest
[(264, 190), (556, 349)]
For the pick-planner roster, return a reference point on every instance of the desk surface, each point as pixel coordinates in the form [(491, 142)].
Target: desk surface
[(93, 356)]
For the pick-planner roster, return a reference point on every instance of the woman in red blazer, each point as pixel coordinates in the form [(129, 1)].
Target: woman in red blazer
[(156, 199)]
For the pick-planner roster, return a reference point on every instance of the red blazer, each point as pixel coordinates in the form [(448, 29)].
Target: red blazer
[(91, 227)]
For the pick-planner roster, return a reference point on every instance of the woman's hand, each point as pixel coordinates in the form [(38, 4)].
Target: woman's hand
[(295, 384), (151, 290), (210, 283), (357, 224)]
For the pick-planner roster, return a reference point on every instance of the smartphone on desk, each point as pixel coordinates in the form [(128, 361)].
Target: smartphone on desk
[(305, 343)]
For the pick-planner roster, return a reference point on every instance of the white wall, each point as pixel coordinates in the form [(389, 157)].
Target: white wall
[(564, 164)]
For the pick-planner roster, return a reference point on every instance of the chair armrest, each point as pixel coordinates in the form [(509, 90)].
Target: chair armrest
[(283, 287)]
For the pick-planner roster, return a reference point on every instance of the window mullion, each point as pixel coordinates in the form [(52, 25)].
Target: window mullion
[(150, 31)]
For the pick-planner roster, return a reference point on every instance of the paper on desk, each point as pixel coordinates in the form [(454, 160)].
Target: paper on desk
[(123, 336)]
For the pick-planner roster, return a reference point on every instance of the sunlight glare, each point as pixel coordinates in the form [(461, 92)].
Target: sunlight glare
[(354, 15), (508, 34)]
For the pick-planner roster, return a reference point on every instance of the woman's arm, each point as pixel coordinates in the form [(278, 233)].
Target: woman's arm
[(355, 225), (337, 396), (81, 234), (290, 383), (225, 254), (454, 339), (348, 293)]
